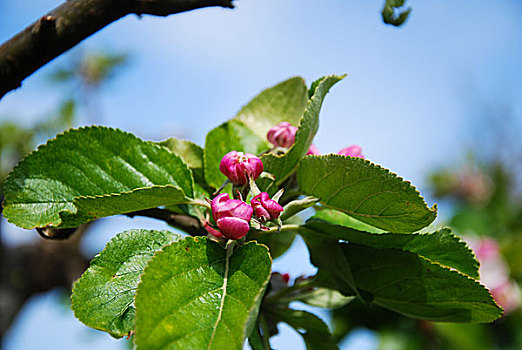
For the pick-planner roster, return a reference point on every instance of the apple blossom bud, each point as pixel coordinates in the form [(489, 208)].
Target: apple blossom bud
[(232, 217), (239, 166), (313, 151), (282, 135), (352, 151), (265, 208)]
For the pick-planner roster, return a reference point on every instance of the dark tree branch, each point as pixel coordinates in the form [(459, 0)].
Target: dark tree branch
[(70, 23), (186, 223)]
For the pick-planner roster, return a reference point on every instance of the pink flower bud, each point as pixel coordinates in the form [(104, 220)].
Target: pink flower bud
[(265, 208), (239, 166), (282, 135), (314, 151), (232, 217), (352, 151)]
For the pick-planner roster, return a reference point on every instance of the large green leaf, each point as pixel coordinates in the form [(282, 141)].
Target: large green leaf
[(285, 101), (441, 246), (191, 154), (92, 162), (314, 331), (404, 282), (281, 166), (192, 296), (103, 298), (365, 191)]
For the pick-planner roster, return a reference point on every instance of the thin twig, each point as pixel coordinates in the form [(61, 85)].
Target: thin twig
[(186, 223)]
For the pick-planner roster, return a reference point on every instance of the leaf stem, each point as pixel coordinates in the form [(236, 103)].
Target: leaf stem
[(186, 223), (280, 229), (305, 285)]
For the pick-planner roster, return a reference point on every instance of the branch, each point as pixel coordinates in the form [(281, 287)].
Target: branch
[(70, 23), (186, 223)]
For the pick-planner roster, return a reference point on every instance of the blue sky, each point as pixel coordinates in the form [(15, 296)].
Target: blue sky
[(411, 97)]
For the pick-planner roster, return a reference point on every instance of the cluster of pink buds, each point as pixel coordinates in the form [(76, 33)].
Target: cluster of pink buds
[(232, 216), (494, 273)]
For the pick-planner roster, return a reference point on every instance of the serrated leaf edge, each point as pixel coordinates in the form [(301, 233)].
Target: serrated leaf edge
[(410, 188), (110, 243)]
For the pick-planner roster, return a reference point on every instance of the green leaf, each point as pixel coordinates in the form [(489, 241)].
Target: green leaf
[(285, 101), (412, 285), (324, 297), (193, 296), (125, 202), (92, 162), (365, 191), (281, 166), (191, 154), (278, 243), (314, 331), (336, 217), (103, 298), (441, 246), (394, 12)]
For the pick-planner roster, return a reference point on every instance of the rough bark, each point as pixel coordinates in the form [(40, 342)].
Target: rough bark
[(70, 23)]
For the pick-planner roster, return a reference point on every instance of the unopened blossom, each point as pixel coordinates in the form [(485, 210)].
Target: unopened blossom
[(313, 150), (239, 167), (265, 208), (282, 135), (352, 151), (232, 217)]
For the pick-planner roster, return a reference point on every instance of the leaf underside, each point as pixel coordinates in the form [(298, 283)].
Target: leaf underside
[(401, 280), (441, 246)]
